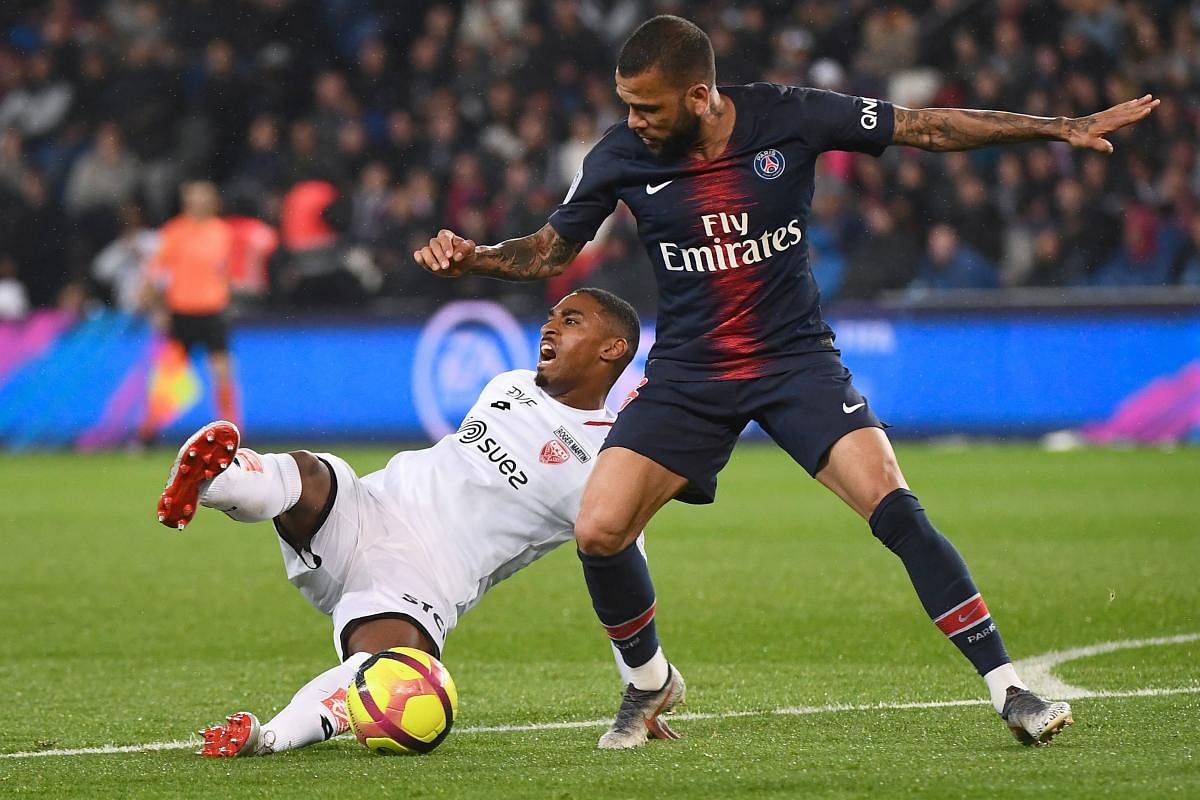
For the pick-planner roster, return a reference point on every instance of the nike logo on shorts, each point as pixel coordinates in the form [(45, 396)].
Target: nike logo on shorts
[(658, 188), (851, 409)]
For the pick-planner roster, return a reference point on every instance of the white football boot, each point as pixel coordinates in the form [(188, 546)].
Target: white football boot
[(1034, 721), (640, 714)]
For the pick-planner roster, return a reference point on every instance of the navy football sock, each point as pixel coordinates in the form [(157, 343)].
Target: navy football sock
[(941, 579), (623, 596)]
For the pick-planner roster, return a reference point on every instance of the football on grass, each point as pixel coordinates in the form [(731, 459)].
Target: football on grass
[(402, 701)]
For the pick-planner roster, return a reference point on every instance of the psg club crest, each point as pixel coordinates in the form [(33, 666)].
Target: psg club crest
[(769, 164)]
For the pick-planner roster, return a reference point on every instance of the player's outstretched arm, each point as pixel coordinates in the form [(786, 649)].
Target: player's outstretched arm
[(941, 129), (540, 255)]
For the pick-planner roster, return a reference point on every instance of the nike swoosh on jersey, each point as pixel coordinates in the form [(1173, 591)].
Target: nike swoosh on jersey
[(851, 409), (658, 188)]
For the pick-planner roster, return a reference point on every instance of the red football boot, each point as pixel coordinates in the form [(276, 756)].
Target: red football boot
[(204, 456), (237, 737)]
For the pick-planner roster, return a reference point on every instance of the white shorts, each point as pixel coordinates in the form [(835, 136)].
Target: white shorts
[(370, 565)]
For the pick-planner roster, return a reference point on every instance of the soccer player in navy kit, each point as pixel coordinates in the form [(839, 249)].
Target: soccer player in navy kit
[(721, 183)]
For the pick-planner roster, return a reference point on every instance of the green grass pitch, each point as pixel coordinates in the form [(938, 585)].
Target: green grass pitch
[(117, 631)]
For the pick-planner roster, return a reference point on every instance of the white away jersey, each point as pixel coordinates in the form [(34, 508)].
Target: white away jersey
[(501, 491)]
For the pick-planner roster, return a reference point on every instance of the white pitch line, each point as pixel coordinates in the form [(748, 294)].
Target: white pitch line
[(794, 711), (152, 747), (1036, 671)]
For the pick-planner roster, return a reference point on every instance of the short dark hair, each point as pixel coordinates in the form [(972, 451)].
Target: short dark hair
[(675, 45), (623, 317)]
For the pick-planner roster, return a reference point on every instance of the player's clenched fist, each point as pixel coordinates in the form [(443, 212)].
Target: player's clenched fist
[(447, 254)]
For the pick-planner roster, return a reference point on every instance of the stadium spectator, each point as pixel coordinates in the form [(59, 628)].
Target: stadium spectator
[(37, 240), (1147, 252), (224, 107), (887, 243), (188, 284), (122, 267), (102, 179), (13, 165), (1045, 268), (974, 218), (14, 301), (369, 206), (949, 263), (1088, 233), (322, 267), (259, 177), (41, 104), (1187, 261)]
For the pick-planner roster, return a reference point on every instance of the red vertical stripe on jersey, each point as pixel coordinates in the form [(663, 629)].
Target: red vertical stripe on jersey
[(736, 337)]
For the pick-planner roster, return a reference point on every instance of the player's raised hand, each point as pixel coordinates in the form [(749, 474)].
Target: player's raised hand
[(1089, 131), (447, 254)]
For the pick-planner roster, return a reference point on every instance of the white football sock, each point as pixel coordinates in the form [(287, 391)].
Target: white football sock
[(998, 681), (652, 675), (317, 712), (624, 669), (255, 487)]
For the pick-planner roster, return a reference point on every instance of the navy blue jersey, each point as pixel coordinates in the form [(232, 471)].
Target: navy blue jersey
[(727, 237)]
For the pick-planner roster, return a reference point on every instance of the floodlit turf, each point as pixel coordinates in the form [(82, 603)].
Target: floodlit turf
[(120, 632)]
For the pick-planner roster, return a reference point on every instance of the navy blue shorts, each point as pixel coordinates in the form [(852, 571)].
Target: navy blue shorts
[(690, 427)]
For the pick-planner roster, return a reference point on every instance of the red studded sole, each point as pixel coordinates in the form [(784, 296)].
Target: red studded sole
[(227, 741), (206, 454)]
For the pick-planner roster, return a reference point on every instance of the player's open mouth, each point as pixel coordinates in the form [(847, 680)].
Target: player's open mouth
[(546, 354)]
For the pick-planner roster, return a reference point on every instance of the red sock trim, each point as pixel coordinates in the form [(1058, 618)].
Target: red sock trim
[(963, 616), (626, 630)]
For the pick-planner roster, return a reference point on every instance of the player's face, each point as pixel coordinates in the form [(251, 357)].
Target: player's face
[(659, 113), (575, 334)]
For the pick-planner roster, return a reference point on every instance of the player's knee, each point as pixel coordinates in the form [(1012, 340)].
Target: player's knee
[(315, 481), (886, 480), (601, 535), (899, 521), (312, 469)]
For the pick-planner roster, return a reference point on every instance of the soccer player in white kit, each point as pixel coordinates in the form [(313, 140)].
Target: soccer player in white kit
[(397, 556)]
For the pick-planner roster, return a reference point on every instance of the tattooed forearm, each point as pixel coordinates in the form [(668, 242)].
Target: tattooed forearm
[(963, 129), (530, 258)]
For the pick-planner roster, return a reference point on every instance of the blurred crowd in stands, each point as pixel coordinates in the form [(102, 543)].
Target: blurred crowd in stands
[(342, 133)]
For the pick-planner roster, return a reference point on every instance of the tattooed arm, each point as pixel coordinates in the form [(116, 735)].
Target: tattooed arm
[(963, 129), (540, 255)]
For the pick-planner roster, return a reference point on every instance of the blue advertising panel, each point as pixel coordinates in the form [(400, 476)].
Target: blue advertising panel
[(1010, 373), (992, 374)]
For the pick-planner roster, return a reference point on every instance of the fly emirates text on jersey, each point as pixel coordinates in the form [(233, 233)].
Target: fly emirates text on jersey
[(722, 254)]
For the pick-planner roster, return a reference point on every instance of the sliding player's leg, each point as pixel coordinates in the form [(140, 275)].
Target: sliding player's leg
[(317, 712), (315, 500), (211, 470)]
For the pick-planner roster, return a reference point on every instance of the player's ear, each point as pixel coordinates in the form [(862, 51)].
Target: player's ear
[(614, 349), (696, 98)]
